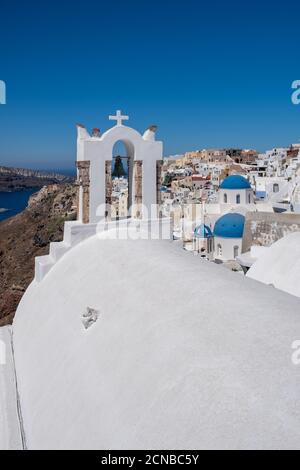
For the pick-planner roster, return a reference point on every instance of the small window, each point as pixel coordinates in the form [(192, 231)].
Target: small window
[(235, 251), (276, 188), (225, 198), (219, 249), (249, 198), (238, 199)]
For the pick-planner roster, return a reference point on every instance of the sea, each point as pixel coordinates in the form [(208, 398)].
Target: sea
[(15, 202), (12, 203)]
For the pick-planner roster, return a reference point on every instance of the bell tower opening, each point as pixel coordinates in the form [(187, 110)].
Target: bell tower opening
[(120, 181)]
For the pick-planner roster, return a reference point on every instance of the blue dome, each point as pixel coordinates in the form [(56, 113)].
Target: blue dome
[(235, 182), (230, 226), (203, 231)]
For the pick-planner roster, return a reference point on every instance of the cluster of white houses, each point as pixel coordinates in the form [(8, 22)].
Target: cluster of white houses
[(209, 185)]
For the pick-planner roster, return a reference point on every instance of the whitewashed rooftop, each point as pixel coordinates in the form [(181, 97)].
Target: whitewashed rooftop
[(185, 354)]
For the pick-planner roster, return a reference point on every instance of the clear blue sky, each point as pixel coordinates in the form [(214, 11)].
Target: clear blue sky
[(210, 74)]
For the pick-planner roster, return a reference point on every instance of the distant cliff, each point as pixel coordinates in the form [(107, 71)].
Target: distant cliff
[(28, 235), (18, 179)]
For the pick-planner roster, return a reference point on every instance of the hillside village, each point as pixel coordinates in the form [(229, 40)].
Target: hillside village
[(196, 193)]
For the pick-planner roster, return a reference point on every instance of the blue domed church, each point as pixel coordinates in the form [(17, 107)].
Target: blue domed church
[(228, 236), (203, 241), (220, 237), (236, 190)]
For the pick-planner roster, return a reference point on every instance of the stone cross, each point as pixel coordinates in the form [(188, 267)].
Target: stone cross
[(119, 118)]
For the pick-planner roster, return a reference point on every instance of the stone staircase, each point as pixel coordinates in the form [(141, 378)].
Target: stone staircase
[(74, 233)]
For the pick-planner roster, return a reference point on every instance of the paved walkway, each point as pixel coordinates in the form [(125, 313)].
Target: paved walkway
[(10, 433)]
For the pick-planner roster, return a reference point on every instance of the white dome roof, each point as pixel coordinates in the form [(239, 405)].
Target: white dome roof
[(184, 354), (279, 265)]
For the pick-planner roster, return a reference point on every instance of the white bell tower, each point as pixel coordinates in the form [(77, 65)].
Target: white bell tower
[(94, 164)]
